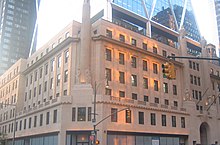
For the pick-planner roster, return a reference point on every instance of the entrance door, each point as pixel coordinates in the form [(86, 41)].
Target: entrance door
[(204, 134)]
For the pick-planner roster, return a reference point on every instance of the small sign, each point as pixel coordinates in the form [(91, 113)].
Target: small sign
[(91, 137)]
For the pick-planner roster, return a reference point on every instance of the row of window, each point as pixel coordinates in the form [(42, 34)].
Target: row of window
[(30, 122), (195, 80), (8, 89), (141, 118), (9, 76), (4, 116), (193, 65)]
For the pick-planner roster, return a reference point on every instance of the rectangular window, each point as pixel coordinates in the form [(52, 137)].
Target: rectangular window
[(66, 56), (45, 86), (48, 118), (197, 66), (39, 91), (29, 123), (31, 79), (155, 70), (133, 62), (59, 62), (144, 46), (122, 77), (174, 90), (65, 76), (156, 85), (191, 79), (65, 92), (35, 91), (183, 125), (108, 91), (134, 80), (141, 117), (35, 76), (156, 100), (55, 116), (153, 118), (41, 72), (164, 53), (35, 121), (20, 125), (46, 69), (41, 119), (166, 102), (29, 94), (173, 121), (146, 98), (51, 83), (134, 96), (81, 114), (145, 65), (122, 38), (108, 74), (154, 49), (175, 103), (121, 94), (164, 120), (89, 113), (128, 116), (52, 62), (58, 79), (194, 65), (121, 58), (195, 80), (108, 54), (73, 114), (114, 115), (199, 83), (25, 122), (165, 87), (145, 83), (190, 64), (109, 33), (133, 42)]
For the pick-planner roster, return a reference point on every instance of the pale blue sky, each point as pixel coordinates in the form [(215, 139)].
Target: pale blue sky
[(54, 15)]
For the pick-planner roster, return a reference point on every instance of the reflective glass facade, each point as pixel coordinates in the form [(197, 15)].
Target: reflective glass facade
[(170, 13)]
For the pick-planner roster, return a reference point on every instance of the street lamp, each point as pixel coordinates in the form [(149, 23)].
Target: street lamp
[(15, 118)]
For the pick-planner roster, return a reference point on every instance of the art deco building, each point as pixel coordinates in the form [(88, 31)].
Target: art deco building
[(18, 30), (56, 86)]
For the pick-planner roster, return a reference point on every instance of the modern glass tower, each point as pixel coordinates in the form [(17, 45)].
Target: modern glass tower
[(17, 30), (171, 14)]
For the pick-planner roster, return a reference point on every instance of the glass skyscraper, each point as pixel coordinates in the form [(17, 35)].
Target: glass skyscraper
[(172, 14), (18, 30)]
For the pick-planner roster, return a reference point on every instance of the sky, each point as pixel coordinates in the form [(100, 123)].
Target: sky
[(54, 15)]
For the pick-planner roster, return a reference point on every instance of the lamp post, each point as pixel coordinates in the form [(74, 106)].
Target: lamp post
[(15, 118)]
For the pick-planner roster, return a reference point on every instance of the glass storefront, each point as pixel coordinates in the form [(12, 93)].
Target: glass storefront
[(78, 138)]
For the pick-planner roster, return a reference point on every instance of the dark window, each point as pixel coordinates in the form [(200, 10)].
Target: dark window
[(145, 65), (156, 100), (141, 117), (65, 76), (66, 56), (73, 114), (128, 116), (48, 118), (197, 67), (145, 83), (122, 77), (121, 58), (29, 123), (156, 85), (45, 86), (153, 118), (165, 87), (194, 65), (191, 79), (108, 91), (174, 90), (81, 114), (108, 74), (134, 96), (55, 116), (155, 70), (190, 64), (114, 115), (195, 80), (58, 79), (183, 125), (89, 113), (199, 83), (39, 91), (133, 62), (35, 76), (164, 53), (146, 98), (164, 120), (109, 33), (121, 94), (122, 38), (51, 83), (20, 125), (133, 42), (65, 92), (46, 69), (175, 103), (108, 54), (166, 102), (134, 80), (35, 121), (144, 46), (58, 61), (52, 62), (173, 121), (41, 119), (154, 49)]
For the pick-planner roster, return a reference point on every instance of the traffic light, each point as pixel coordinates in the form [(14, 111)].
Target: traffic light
[(97, 142), (128, 116), (169, 70)]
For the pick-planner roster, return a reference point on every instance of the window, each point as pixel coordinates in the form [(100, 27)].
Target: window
[(89, 113), (166, 102), (145, 83), (154, 49), (29, 126), (121, 38), (121, 94), (190, 64), (29, 94), (108, 54), (81, 116), (45, 86), (35, 76), (134, 80), (20, 125), (46, 69), (35, 90), (165, 87), (121, 59), (164, 53), (146, 98), (144, 46), (58, 79), (133, 42), (141, 117), (156, 100), (51, 83), (191, 79), (194, 65), (122, 77), (153, 118), (195, 80), (173, 121), (109, 33), (35, 121), (156, 85), (128, 116), (174, 90), (52, 62), (108, 74), (108, 91), (164, 120), (41, 119), (197, 66), (175, 103), (133, 62), (114, 116), (65, 76), (31, 79), (48, 118), (73, 114), (25, 122), (199, 83), (66, 56), (173, 56), (183, 122), (41, 72), (145, 65), (134, 96), (65, 92), (59, 61), (54, 116), (155, 70)]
